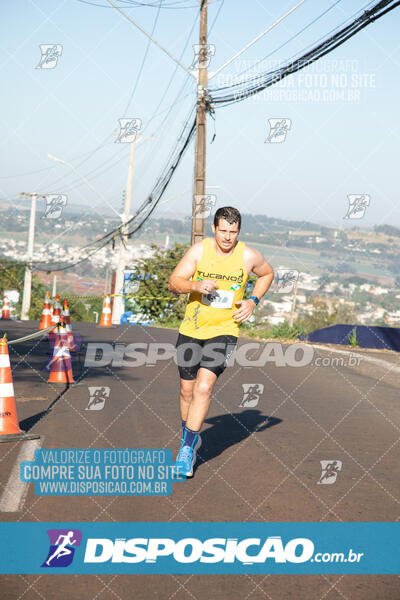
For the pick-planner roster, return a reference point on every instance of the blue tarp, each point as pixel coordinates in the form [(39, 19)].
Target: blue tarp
[(367, 336)]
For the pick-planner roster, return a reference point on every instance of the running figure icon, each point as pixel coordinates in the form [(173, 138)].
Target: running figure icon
[(63, 544), (62, 549)]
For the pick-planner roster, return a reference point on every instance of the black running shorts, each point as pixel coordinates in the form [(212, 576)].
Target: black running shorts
[(211, 354)]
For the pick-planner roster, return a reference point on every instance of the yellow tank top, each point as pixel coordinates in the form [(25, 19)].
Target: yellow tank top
[(210, 315)]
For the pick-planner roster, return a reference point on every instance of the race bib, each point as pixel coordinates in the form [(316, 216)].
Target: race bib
[(219, 298)]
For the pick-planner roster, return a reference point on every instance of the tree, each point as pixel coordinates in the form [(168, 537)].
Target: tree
[(387, 229), (12, 277), (321, 317), (37, 296), (160, 304), (344, 267)]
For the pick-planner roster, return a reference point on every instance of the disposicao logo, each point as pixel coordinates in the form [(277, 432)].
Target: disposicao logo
[(62, 547), (190, 550)]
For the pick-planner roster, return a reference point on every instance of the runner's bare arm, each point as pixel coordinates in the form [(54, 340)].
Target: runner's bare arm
[(179, 281), (256, 263), (264, 272)]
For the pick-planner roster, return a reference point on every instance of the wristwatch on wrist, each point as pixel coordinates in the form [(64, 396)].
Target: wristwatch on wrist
[(255, 299)]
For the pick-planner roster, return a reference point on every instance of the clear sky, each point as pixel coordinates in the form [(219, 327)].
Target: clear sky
[(344, 130)]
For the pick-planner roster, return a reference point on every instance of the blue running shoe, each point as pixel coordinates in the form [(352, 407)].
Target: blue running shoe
[(187, 457)]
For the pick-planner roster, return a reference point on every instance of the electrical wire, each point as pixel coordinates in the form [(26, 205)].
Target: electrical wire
[(216, 16), (290, 39), (146, 52), (156, 195), (163, 181), (91, 153), (49, 168), (328, 45), (148, 206), (153, 199), (79, 183), (179, 97), (222, 97), (129, 4), (74, 184), (336, 28)]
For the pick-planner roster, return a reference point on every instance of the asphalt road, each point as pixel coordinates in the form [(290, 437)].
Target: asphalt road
[(257, 463)]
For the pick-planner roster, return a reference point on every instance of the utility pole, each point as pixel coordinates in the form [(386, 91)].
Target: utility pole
[(293, 303), (199, 188), (117, 285), (26, 298), (198, 203), (119, 274), (107, 283)]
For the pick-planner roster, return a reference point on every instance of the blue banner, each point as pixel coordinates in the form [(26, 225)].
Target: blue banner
[(214, 548)]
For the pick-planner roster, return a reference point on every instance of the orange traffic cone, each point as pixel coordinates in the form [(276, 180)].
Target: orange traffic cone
[(66, 318), (105, 320), (61, 368), (56, 310), (9, 428), (46, 320), (5, 313)]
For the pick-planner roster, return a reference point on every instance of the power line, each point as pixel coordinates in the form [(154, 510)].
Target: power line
[(77, 183), (163, 181), (292, 38), (143, 61), (258, 37), (74, 184), (131, 20), (179, 97), (152, 200), (173, 76), (131, 4), (216, 16), (328, 45), (264, 80), (90, 152), (27, 173), (49, 168)]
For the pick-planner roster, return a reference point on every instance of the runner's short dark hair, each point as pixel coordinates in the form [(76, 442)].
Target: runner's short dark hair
[(230, 214)]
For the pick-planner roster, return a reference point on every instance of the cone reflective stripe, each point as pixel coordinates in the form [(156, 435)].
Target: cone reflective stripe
[(9, 427), (5, 313), (66, 318), (56, 310), (46, 319), (105, 320), (8, 419), (61, 367)]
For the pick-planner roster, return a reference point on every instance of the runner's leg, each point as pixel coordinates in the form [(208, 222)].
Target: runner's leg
[(185, 397), (202, 390)]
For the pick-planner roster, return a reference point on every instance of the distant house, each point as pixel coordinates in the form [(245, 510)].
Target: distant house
[(274, 320), (377, 291)]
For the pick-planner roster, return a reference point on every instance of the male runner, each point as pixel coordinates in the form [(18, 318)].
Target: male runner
[(214, 272)]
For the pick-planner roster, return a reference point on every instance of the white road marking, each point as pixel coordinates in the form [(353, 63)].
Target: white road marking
[(15, 491), (364, 357)]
